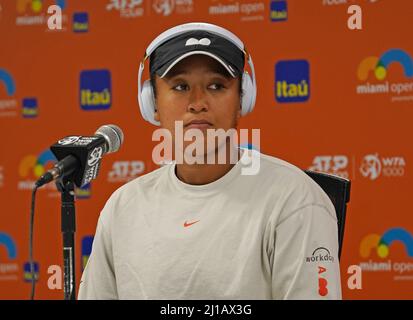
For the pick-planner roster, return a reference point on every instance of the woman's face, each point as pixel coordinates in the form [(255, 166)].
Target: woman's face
[(198, 88)]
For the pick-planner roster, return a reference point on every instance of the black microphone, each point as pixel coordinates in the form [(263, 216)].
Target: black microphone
[(79, 156)]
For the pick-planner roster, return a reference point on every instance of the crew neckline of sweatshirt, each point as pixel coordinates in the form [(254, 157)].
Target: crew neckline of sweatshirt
[(214, 186)]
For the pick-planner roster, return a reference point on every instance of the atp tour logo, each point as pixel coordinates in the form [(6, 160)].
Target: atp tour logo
[(34, 12), (95, 90), (278, 10), (373, 166), (167, 7), (380, 67), (374, 246), (127, 8), (336, 165), (292, 81), (8, 269), (124, 171), (80, 22)]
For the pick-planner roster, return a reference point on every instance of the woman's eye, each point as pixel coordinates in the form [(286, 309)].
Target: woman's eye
[(181, 87), (216, 86)]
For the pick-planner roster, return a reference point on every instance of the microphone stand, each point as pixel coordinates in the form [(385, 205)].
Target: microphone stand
[(68, 227)]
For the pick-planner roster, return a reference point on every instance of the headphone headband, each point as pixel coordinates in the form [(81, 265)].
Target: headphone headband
[(199, 26)]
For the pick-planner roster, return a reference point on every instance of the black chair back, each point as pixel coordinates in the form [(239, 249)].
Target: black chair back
[(338, 190)]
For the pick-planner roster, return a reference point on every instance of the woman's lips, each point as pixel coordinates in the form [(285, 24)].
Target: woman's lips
[(198, 124)]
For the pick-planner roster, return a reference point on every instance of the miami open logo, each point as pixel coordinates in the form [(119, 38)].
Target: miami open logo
[(35, 12), (8, 266), (377, 249), (32, 167), (375, 71), (8, 106)]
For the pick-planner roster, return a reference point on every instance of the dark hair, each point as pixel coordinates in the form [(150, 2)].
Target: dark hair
[(153, 83)]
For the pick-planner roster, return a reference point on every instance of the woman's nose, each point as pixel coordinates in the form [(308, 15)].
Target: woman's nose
[(198, 101)]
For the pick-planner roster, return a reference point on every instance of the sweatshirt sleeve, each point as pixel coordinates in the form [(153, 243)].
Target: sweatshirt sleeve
[(98, 279), (303, 255)]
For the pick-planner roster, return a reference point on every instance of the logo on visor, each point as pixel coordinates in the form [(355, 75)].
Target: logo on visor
[(194, 42)]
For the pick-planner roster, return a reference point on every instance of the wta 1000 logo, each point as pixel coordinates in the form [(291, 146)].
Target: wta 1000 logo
[(377, 248), (375, 71), (374, 166)]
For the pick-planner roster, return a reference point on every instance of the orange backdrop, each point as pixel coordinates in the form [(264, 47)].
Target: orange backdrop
[(329, 98)]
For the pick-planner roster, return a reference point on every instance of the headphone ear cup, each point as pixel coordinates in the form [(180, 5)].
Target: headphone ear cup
[(148, 103), (247, 94)]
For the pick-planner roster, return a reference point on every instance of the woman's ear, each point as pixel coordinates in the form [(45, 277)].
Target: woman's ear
[(239, 111), (156, 115)]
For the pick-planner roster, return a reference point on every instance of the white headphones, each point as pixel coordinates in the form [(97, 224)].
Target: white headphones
[(146, 96)]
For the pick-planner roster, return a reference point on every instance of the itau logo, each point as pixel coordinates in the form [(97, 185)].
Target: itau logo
[(380, 67), (373, 166), (30, 108), (292, 81), (278, 10), (95, 90), (80, 22), (27, 272)]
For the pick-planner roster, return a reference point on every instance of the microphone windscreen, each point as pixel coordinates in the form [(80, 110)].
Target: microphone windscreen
[(113, 136)]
